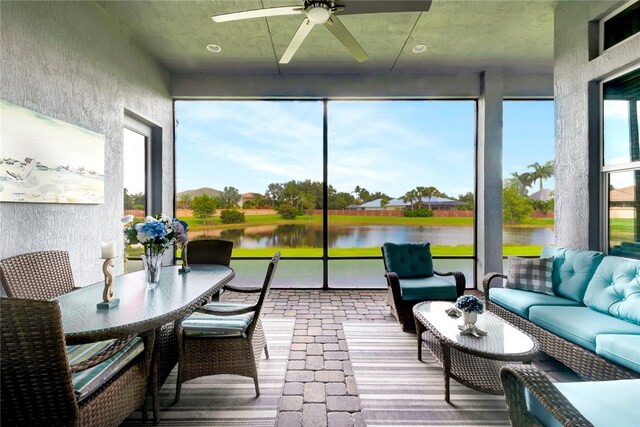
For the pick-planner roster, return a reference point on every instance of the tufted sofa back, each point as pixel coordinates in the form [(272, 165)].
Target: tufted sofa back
[(572, 270), (408, 259), (615, 289)]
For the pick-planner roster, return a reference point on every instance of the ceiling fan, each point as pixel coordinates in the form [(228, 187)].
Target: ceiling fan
[(324, 12)]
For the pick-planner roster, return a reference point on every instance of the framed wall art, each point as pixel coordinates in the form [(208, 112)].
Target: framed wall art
[(45, 160)]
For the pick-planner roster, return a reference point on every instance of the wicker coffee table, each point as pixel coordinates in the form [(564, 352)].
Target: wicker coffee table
[(472, 361)]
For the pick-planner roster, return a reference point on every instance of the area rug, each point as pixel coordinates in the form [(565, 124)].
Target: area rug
[(230, 400), (396, 389)]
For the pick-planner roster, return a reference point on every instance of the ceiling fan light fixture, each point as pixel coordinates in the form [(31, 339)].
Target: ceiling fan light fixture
[(214, 48), (318, 13), (419, 48)]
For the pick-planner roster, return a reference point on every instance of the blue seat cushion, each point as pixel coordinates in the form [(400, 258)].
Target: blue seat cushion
[(603, 403), (87, 381), (580, 325), (622, 349), (615, 289), (572, 270), (427, 288), (408, 259), (519, 301), (205, 325)]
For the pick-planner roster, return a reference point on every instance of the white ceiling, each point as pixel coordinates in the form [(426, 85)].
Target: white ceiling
[(461, 37)]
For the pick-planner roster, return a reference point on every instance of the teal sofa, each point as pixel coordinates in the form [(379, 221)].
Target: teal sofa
[(591, 323), (534, 400)]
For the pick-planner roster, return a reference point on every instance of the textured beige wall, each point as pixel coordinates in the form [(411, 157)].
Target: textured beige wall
[(577, 202), (70, 61)]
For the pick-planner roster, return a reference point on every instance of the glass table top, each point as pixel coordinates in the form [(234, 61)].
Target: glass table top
[(502, 337), (139, 305)]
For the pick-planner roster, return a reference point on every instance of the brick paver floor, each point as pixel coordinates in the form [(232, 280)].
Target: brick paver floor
[(319, 388)]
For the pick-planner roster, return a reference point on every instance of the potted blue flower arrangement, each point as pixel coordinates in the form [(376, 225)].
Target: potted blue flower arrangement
[(156, 234), (470, 306)]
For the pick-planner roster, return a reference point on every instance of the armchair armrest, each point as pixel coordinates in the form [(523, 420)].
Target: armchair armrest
[(105, 354), (220, 311), (486, 283), (241, 289), (461, 281), (516, 378)]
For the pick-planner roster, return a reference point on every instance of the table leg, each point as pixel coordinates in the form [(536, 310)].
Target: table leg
[(446, 368), (420, 329), (153, 380)]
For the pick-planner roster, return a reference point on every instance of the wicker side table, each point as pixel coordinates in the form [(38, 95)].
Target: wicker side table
[(472, 361)]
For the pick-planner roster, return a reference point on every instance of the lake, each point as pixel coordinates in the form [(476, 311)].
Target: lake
[(310, 236)]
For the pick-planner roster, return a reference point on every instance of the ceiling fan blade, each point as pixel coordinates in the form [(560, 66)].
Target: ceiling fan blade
[(259, 13), (296, 41), (353, 7), (344, 36)]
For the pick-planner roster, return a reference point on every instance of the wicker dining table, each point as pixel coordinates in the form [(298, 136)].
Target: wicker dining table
[(473, 361), (141, 310)]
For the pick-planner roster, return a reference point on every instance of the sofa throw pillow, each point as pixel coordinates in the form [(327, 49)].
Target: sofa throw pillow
[(531, 274)]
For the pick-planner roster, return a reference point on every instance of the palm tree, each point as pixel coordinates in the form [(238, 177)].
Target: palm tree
[(421, 193), (523, 178), (430, 192), (410, 196), (541, 172)]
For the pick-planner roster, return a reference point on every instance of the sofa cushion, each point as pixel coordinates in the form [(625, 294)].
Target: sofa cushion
[(205, 325), (427, 288), (603, 403), (530, 274), (519, 302), (622, 349), (579, 325), (87, 381), (409, 259), (615, 289), (572, 270)]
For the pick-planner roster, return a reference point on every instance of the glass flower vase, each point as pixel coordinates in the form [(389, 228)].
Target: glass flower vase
[(152, 266), (469, 317)]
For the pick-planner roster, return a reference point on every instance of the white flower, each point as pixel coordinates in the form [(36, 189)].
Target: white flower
[(143, 237), (127, 219), (149, 218), (165, 218)]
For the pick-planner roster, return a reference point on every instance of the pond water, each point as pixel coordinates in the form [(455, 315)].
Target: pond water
[(310, 236)]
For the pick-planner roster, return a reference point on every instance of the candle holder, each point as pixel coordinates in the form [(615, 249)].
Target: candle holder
[(185, 267), (108, 301)]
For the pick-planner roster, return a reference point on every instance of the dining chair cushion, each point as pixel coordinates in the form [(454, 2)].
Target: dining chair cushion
[(206, 325), (87, 381)]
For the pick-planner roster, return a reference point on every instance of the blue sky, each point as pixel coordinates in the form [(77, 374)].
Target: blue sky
[(388, 146)]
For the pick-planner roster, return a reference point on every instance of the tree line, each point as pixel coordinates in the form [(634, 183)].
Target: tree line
[(295, 197)]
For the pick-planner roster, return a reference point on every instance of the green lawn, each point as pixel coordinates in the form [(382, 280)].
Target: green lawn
[(444, 251), (621, 230)]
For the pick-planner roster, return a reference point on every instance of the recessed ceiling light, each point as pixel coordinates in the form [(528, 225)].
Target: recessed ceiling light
[(419, 48), (214, 48)]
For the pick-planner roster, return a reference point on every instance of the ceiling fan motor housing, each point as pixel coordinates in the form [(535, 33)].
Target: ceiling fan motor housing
[(318, 12)]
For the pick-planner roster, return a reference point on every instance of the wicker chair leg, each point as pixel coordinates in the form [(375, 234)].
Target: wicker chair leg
[(255, 382), (178, 390), (143, 410)]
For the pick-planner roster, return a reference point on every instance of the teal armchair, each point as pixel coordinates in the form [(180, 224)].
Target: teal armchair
[(411, 279)]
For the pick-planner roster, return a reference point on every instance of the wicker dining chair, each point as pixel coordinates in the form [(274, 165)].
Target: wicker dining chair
[(224, 338), (206, 251), (209, 251), (37, 383), (37, 275)]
